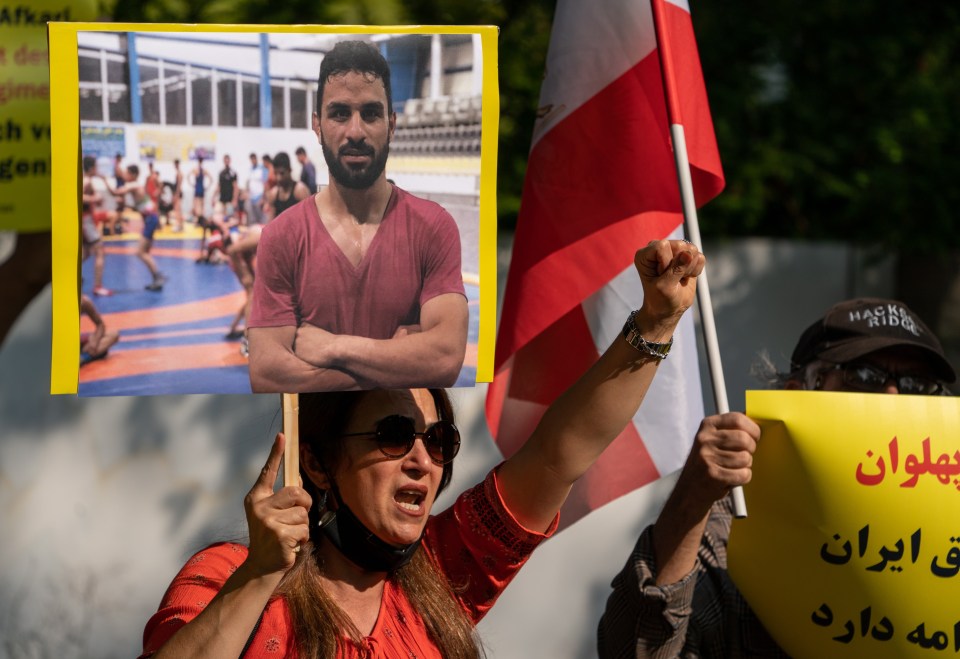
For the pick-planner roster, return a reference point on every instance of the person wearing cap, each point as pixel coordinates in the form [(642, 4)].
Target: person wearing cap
[(674, 597)]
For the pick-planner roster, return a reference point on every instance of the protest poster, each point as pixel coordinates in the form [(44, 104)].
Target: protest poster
[(153, 94), (852, 547)]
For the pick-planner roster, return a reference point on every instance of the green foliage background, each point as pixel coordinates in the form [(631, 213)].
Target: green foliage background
[(834, 118)]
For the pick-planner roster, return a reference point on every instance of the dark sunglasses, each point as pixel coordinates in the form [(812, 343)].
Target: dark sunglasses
[(869, 378), (397, 434)]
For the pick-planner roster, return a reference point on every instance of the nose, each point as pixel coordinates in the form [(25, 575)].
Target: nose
[(355, 127), (890, 387), (418, 458)]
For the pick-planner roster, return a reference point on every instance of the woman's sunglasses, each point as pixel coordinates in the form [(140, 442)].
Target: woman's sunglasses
[(397, 434)]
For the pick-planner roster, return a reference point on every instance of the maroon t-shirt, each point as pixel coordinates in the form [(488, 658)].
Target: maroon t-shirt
[(303, 276)]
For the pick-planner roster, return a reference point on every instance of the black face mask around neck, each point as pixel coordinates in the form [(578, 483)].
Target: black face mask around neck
[(360, 545)]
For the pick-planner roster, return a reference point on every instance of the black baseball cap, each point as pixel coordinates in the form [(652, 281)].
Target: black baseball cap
[(855, 328)]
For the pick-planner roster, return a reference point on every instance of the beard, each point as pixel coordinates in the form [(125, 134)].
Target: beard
[(356, 179)]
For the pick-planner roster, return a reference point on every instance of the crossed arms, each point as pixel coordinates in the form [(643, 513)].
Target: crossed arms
[(307, 358)]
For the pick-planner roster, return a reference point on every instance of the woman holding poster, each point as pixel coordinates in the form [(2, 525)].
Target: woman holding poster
[(353, 563)]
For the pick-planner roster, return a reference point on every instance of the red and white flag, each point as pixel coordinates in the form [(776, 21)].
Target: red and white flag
[(601, 183)]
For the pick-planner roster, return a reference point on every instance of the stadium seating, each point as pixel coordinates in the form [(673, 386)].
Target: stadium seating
[(439, 126)]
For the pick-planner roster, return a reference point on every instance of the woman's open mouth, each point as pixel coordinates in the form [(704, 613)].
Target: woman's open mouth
[(410, 500)]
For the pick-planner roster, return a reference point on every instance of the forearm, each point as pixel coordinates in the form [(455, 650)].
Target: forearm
[(642, 618), (87, 307), (223, 627), (589, 415), (429, 354), (677, 535), (699, 509), (112, 190), (268, 210), (98, 333), (276, 369), (432, 358)]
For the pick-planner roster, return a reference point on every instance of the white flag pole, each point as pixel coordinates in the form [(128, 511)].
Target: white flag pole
[(692, 227)]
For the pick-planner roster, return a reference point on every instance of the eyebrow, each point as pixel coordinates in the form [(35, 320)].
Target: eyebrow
[(372, 105)]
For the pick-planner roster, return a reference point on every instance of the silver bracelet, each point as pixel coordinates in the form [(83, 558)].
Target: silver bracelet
[(656, 350)]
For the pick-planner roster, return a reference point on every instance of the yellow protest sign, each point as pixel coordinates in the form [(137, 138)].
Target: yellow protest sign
[(852, 546), (25, 107)]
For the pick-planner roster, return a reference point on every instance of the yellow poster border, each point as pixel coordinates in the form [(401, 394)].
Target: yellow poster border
[(65, 174)]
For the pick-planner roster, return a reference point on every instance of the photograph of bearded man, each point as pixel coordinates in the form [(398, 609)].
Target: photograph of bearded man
[(358, 286)]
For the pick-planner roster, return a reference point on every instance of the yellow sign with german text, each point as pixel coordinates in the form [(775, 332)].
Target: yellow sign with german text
[(25, 107), (852, 544)]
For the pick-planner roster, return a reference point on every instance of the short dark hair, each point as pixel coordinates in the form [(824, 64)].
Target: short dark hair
[(300, 151), (133, 169), (358, 56), (89, 162), (281, 160)]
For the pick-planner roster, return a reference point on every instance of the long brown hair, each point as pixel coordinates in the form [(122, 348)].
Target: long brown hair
[(319, 624)]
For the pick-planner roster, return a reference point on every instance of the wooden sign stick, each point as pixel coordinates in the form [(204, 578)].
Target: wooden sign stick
[(291, 433)]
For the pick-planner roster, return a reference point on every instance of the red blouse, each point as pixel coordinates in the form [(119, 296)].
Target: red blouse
[(476, 542)]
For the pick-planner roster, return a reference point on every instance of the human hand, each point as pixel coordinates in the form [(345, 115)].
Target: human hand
[(89, 347), (92, 345), (314, 345), (277, 521), (407, 330), (668, 272), (721, 458)]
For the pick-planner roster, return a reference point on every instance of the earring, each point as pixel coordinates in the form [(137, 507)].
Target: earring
[(328, 515)]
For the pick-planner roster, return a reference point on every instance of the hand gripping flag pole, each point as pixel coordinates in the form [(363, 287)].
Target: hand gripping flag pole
[(690, 221)]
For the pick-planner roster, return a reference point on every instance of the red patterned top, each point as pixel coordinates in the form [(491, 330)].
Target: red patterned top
[(476, 542)]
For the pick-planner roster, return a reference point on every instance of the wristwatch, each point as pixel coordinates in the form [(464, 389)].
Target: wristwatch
[(632, 335)]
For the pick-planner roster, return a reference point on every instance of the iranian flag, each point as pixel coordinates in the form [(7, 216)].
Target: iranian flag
[(601, 183)]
